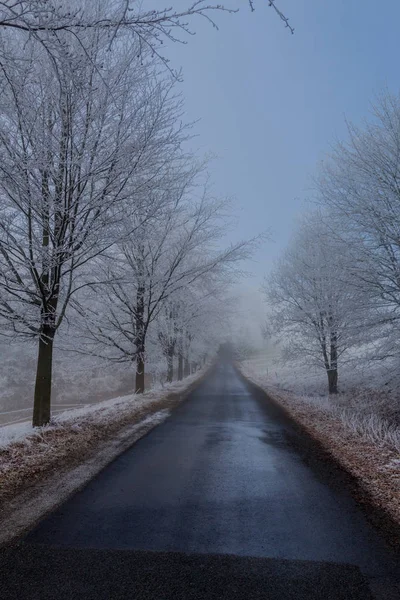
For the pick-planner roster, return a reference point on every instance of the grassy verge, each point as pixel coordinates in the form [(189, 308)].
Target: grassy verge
[(40, 470), (371, 462)]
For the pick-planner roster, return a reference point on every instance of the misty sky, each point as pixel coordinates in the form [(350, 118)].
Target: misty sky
[(271, 103)]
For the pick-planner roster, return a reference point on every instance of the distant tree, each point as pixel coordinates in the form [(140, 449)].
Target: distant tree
[(243, 343), (192, 322), (313, 301), (167, 254)]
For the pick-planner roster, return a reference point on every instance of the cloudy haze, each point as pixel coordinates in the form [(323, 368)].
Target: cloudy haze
[(271, 104)]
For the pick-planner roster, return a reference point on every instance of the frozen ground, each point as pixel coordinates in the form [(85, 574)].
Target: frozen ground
[(91, 414), (359, 426), (369, 398), (77, 380), (41, 467)]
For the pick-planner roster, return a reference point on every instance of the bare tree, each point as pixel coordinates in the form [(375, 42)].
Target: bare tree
[(43, 21), (359, 184), (79, 136), (190, 316), (168, 333), (314, 302), (37, 16), (167, 254)]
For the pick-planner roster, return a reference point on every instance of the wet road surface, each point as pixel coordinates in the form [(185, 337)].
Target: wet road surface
[(218, 501)]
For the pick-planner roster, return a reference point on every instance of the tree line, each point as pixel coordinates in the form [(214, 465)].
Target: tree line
[(108, 225), (335, 292)]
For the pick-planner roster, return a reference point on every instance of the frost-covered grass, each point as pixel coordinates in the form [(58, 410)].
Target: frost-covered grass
[(31, 456), (359, 427), (368, 403), (364, 419), (100, 413), (13, 433), (372, 427)]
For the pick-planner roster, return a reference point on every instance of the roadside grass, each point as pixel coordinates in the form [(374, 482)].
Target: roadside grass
[(28, 456), (359, 428), (368, 403), (370, 422)]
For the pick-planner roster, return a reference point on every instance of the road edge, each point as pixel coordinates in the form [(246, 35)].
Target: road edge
[(380, 518), (28, 507)]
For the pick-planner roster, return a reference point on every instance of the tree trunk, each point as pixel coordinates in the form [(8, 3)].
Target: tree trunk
[(180, 366), (42, 398), (333, 373), (140, 340), (170, 365), (186, 368), (139, 380), (333, 381)]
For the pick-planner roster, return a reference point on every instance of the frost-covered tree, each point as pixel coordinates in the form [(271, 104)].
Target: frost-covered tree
[(48, 22), (360, 186), (167, 254), (152, 26), (192, 323), (313, 301), (168, 333), (80, 136), (157, 24)]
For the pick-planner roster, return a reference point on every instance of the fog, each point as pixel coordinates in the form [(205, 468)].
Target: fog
[(224, 138)]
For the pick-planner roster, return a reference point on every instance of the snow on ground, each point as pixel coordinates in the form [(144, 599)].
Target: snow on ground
[(102, 411), (14, 433), (41, 467), (368, 402), (93, 414), (359, 426)]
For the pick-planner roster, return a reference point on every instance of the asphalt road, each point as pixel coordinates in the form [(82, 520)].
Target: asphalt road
[(219, 501)]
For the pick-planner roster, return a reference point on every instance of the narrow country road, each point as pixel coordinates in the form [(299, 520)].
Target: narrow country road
[(220, 501)]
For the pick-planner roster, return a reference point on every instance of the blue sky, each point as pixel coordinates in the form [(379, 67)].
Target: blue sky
[(270, 104)]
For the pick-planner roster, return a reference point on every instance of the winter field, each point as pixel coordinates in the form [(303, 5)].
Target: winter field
[(368, 401), (78, 381), (359, 426), (40, 467), (95, 414)]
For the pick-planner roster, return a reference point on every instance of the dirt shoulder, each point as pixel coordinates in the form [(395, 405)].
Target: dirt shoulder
[(372, 470), (42, 470)]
